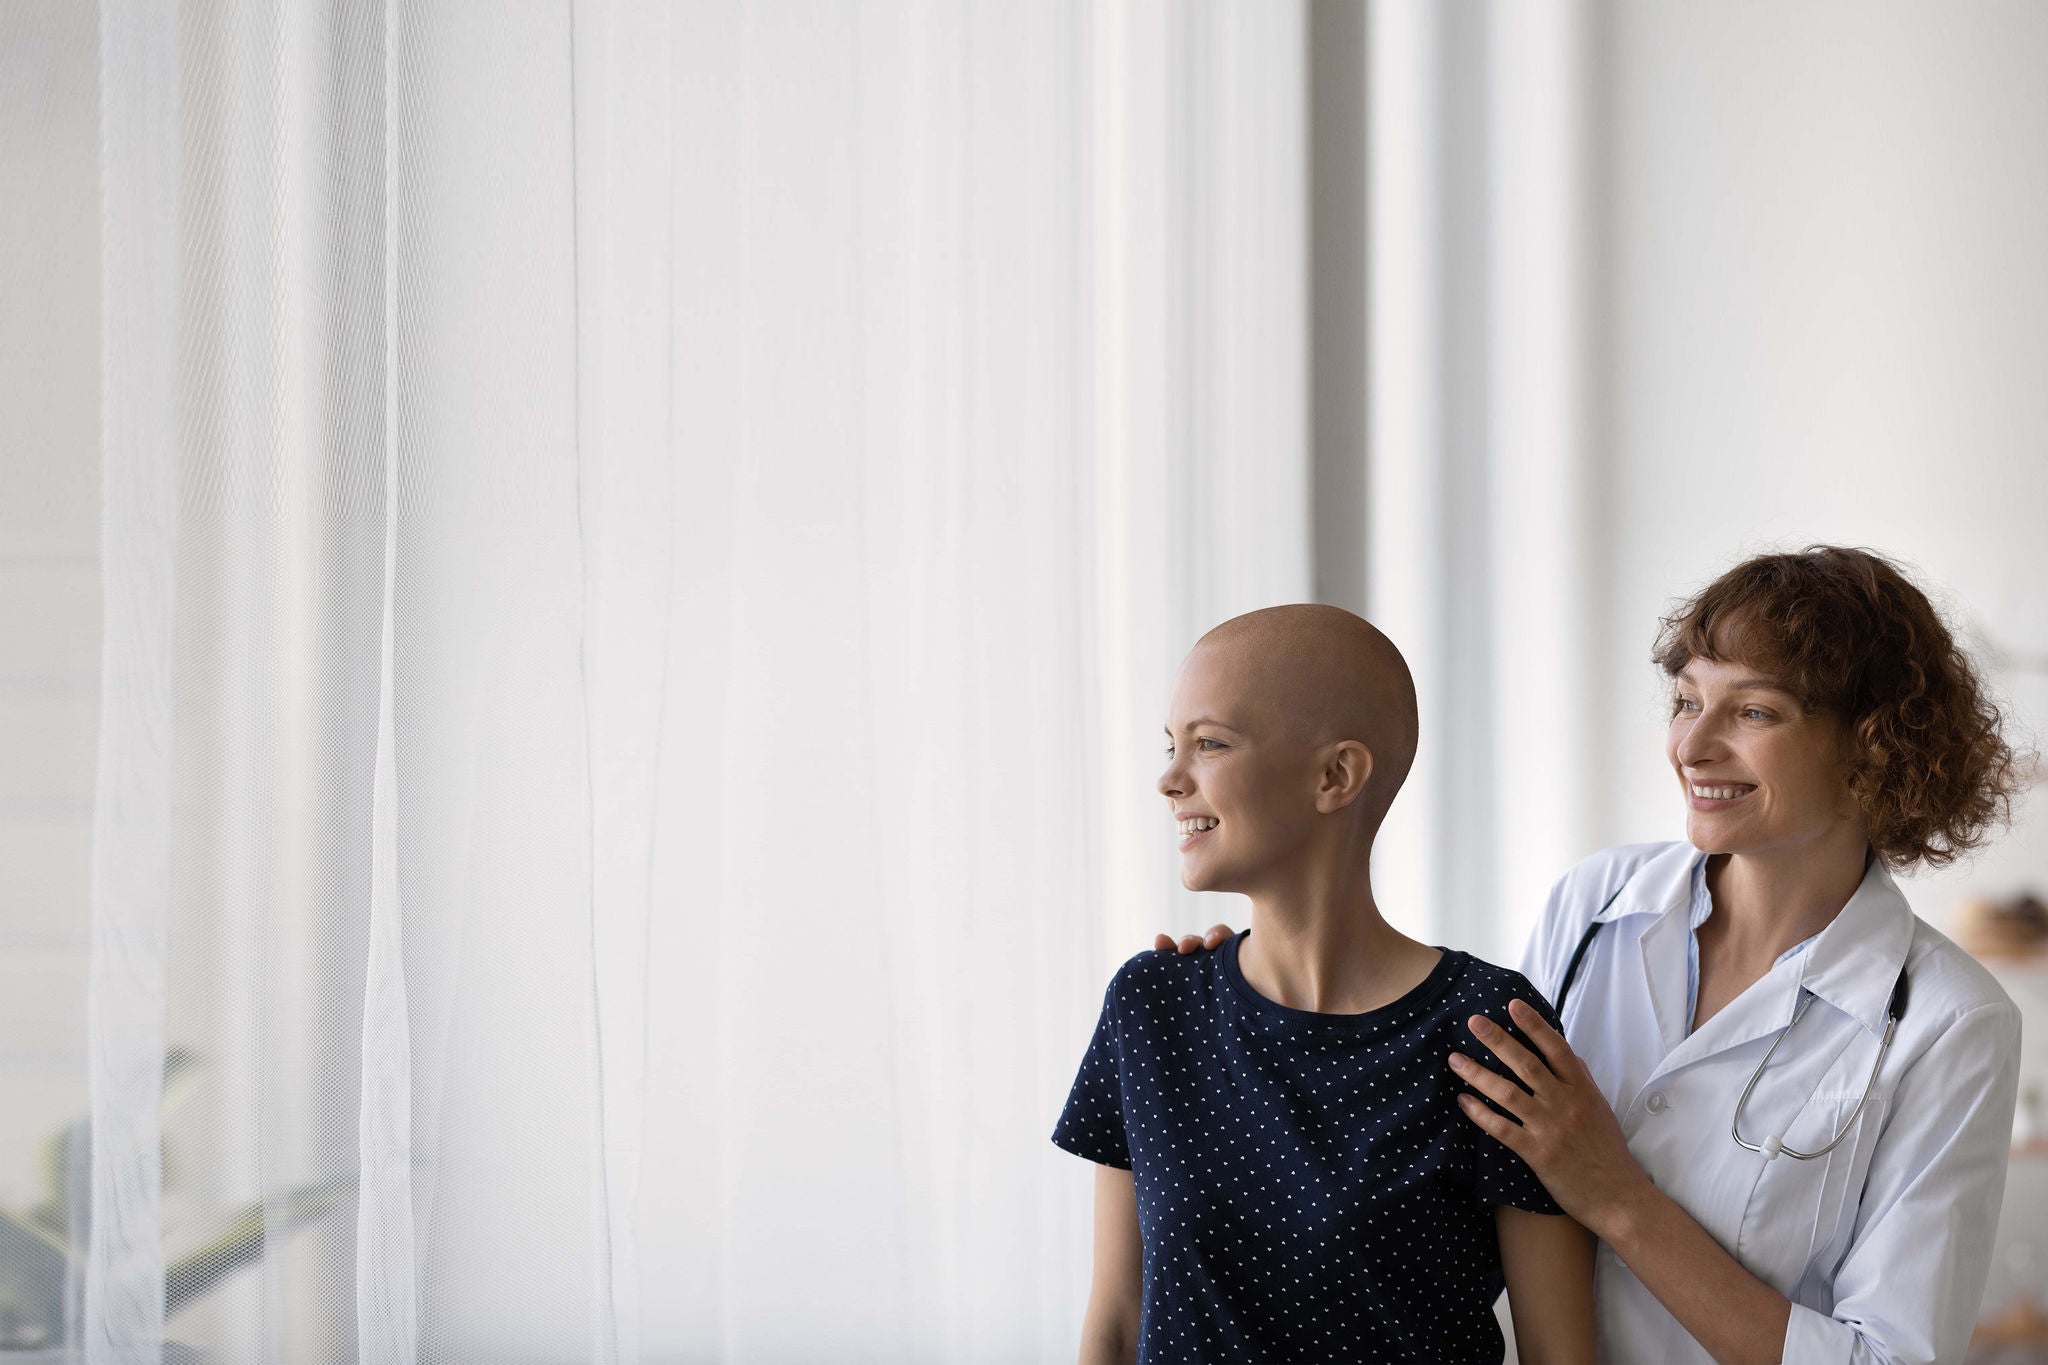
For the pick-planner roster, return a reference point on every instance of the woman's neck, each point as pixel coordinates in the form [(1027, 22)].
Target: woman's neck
[(1766, 902), (1332, 953)]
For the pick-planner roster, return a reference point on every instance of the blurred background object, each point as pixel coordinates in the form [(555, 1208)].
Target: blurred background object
[(2013, 929), (587, 591)]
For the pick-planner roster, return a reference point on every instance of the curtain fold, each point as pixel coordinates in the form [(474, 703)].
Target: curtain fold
[(122, 1290), (386, 1270), (643, 548), (623, 100), (1485, 462)]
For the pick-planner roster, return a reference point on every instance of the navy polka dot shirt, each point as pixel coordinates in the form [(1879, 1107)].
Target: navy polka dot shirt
[(1308, 1190)]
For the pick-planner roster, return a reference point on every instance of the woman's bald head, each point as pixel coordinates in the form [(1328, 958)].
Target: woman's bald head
[(1314, 675)]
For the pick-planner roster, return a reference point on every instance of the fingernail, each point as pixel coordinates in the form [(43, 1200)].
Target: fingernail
[(1458, 1062), (1481, 1025)]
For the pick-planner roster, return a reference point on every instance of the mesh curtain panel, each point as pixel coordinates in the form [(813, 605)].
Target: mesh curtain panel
[(643, 551)]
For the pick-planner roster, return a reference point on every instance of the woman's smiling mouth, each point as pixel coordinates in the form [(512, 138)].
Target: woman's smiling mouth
[(1711, 796), (1195, 827)]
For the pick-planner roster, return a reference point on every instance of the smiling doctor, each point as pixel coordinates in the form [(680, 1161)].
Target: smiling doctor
[(1786, 1104)]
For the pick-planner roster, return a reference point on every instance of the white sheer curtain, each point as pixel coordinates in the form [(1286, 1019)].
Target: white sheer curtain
[(644, 548), (1486, 551)]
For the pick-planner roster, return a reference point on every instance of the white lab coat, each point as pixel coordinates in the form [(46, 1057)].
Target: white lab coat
[(1882, 1245)]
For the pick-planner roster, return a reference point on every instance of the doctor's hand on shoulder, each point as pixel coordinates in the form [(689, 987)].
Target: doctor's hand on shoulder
[(1190, 943), (1562, 1125)]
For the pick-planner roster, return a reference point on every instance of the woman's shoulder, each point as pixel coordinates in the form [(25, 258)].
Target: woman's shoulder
[(1157, 969), (1592, 883), (1608, 870), (1945, 982), (1486, 988)]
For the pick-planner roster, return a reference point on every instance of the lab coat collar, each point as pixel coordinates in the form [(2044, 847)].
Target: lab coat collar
[(1662, 889), (1851, 964), (1659, 886), (1856, 959)]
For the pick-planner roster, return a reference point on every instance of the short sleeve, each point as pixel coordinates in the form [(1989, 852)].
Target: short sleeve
[(1092, 1124), (1502, 1177)]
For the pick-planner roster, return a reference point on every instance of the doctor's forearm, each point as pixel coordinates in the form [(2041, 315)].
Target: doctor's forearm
[(1735, 1317)]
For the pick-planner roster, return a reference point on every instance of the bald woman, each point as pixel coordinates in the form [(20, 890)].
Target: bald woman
[(1282, 1170)]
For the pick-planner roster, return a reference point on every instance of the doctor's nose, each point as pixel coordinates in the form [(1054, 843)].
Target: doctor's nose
[(1700, 742)]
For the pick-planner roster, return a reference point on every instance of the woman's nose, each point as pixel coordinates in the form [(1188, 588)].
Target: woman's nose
[(1701, 740)]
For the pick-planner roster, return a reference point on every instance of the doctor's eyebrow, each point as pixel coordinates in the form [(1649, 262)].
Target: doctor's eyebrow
[(1744, 684)]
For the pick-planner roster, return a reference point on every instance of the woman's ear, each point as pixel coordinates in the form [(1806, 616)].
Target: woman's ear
[(1347, 772), (1848, 758)]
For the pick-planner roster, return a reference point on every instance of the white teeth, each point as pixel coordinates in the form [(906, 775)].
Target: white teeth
[(1198, 824), (1717, 793)]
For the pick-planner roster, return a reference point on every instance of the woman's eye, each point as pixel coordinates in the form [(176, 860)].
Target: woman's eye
[(1198, 744), (1752, 713), (1683, 704)]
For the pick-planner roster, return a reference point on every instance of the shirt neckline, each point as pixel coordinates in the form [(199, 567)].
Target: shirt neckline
[(1393, 1014)]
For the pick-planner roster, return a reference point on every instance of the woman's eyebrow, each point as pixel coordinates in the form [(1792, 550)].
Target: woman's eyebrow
[(1743, 684), (1203, 721)]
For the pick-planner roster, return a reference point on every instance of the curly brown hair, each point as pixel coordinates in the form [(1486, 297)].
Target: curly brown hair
[(1848, 633)]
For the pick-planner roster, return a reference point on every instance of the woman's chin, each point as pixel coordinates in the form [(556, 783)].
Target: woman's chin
[(1714, 836)]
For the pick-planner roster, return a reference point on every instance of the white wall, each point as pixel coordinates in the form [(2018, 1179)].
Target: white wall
[(1824, 321)]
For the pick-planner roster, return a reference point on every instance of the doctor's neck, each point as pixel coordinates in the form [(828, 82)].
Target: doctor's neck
[(1771, 898)]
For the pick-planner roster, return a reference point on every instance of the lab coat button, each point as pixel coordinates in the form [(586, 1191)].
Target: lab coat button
[(1655, 1102)]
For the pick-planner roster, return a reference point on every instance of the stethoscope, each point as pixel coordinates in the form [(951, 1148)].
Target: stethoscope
[(1772, 1146)]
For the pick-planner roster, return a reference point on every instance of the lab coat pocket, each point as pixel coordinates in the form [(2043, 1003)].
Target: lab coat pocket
[(1795, 1203)]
